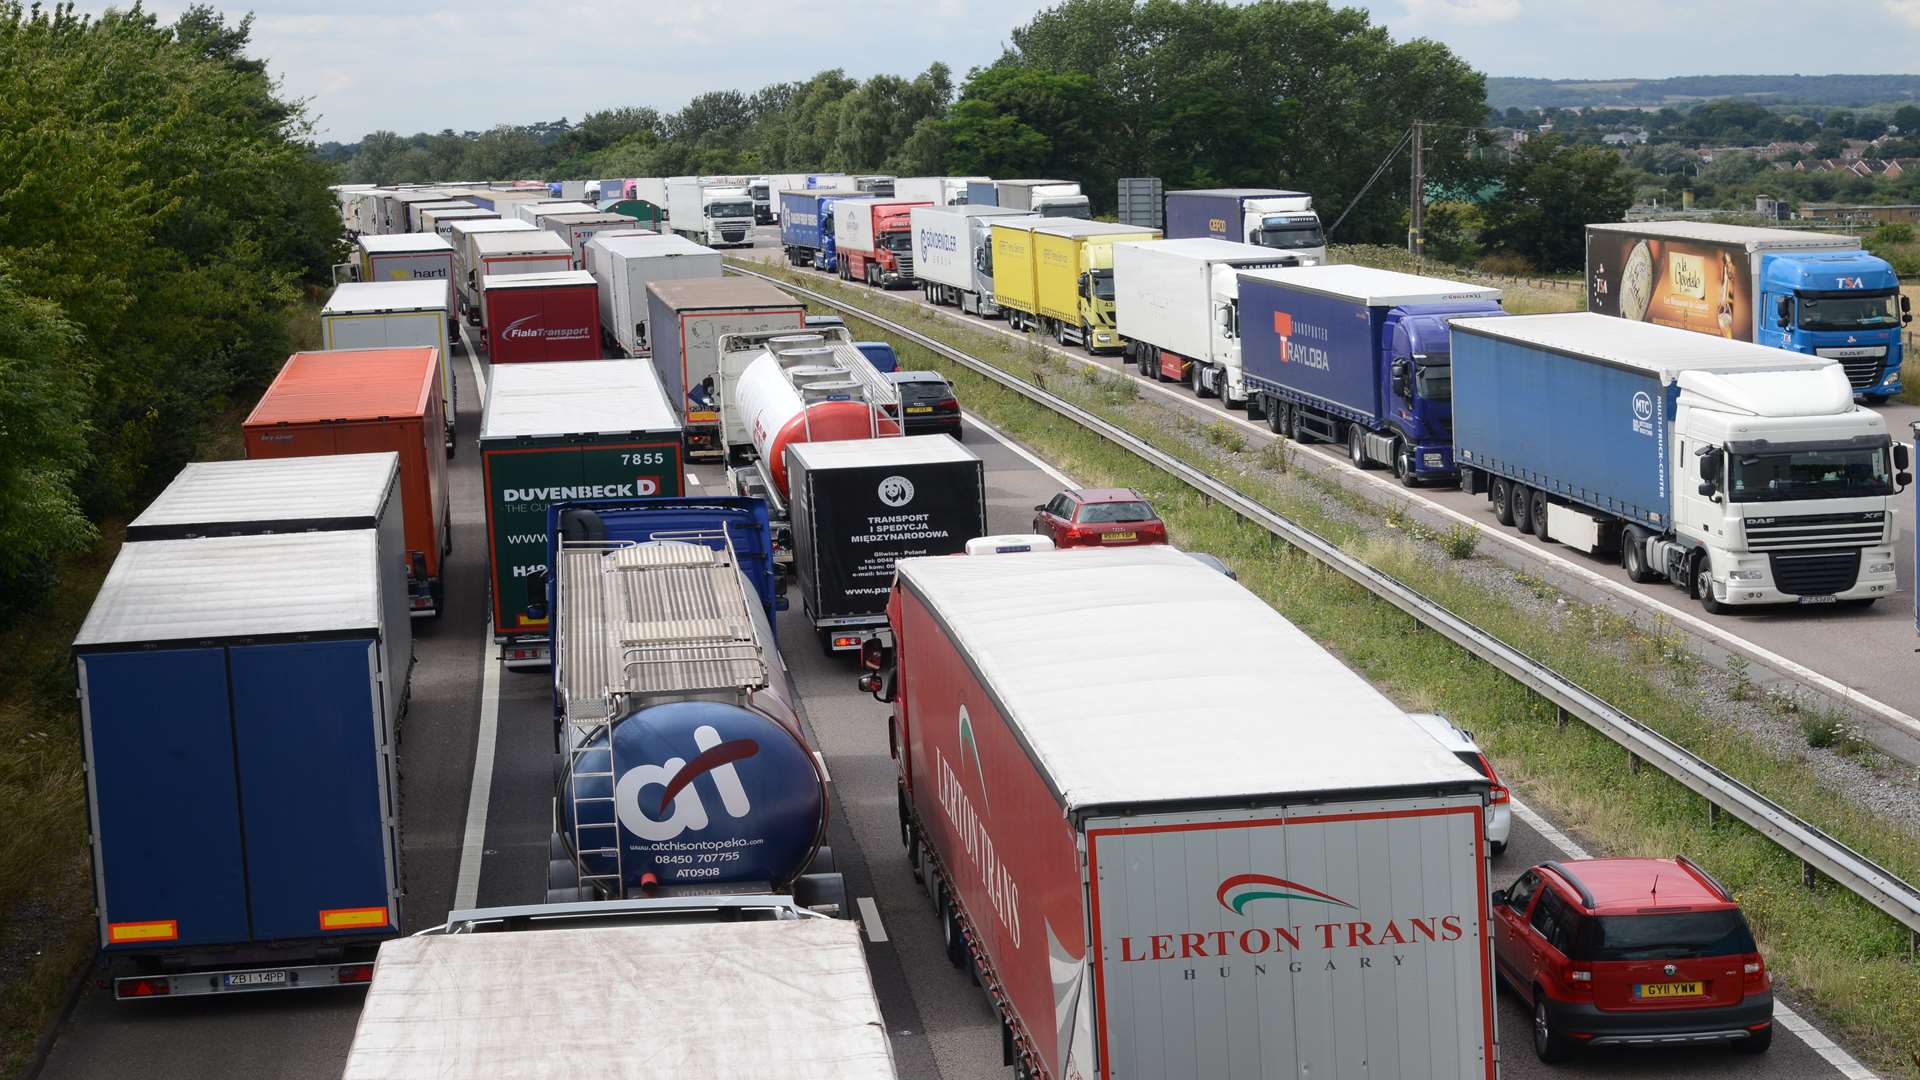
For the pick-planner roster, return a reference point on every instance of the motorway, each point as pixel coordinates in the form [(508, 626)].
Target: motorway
[(940, 1024), (1869, 651)]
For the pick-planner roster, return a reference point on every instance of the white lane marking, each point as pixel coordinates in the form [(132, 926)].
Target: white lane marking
[(870, 918), (692, 480), (1842, 1061), (1058, 477), (466, 889)]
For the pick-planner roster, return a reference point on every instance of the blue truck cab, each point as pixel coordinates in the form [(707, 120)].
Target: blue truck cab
[(1361, 356), (1845, 305)]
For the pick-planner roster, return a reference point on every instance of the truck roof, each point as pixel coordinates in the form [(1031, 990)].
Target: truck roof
[(976, 210), (491, 225), (1066, 643), (593, 217), (221, 588), (1374, 288), (1662, 351), (1209, 248), (1078, 227), (567, 207), (1752, 236), (539, 242), (415, 243), (691, 294), (349, 384), (1241, 192), (632, 242), (576, 397), (881, 453), (787, 998), (373, 297), (328, 487), (545, 280)]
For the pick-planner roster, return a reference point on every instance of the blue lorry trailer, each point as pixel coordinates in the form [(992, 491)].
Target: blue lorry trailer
[(241, 785), (1357, 355), (806, 227)]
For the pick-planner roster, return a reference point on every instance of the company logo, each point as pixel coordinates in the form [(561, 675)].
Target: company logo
[(675, 778), (1312, 356), (642, 485), (1643, 413), (1688, 274), (969, 747), (1217, 225), (1853, 283), (897, 491), (518, 330), (939, 241), (972, 836), (1236, 892)]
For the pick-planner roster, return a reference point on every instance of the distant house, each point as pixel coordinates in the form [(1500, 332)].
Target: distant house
[(1864, 213), (1624, 138)]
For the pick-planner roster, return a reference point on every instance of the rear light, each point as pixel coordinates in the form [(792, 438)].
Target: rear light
[(1580, 983), (947, 405), (1580, 976), (356, 973), (133, 988), (1753, 975), (1500, 794), (846, 641)]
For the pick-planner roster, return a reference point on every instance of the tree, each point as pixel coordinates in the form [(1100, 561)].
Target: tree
[(1907, 119), (1549, 192), (46, 383), (1010, 121)]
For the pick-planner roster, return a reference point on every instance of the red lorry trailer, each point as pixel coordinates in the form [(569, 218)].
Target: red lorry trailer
[(546, 316), (1205, 857), (875, 241)]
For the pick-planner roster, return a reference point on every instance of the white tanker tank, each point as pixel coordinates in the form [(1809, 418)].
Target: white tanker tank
[(804, 388)]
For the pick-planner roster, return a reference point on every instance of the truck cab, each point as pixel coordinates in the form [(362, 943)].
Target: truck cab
[(1287, 223), (1418, 383), (760, 190), (1842, 305), (729, 213)]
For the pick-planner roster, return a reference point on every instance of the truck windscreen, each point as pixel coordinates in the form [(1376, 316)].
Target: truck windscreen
[(1102, 284), (897, 241), (1875, 312), (730, 209), (1075, 209), (1433, 380), (1288, 234), (1809, 474)]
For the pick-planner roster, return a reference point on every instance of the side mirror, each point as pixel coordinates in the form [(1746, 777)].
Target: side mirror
[(1783, 311), (1906, 303), (1903, 479), (1707, 489), (1900, 460), (1041, 509), (1500, 897)]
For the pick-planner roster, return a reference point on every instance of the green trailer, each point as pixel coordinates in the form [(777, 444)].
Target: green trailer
[(563, 432), (639, 210)]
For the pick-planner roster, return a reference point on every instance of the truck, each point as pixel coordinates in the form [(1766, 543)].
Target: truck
[(1352, 354), (420, 256), (239, 763), (562, 432), (1177, 311), (622, 264), (1269, 217), (536, 317), (935, 190), (1200, 877), (953, 255), (785, 992), (1741, 473), (386, 314), (709, 214), (687, 319), (394, 207), (767, 190), (1804, 292), (416, 211), (806, 227), (577, 229), (860, 506), (500, 254), (650, 189), (1048, 198), (440, 222), (359, 401), (462, 233), (1057, 277), (874, 242), (533, 211), (269, 497)]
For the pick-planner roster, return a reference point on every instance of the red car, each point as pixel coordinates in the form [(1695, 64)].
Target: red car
[(1633, 952), (1099, 517)]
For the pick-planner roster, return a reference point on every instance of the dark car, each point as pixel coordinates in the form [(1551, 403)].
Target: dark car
[(928, 403), (1099, 517), (1631, 952)]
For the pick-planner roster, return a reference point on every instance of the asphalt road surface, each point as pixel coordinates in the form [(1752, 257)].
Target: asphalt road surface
[(940, 1023)]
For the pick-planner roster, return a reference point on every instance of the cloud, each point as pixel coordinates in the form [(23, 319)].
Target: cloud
[(1907, 11), (1480, 12)]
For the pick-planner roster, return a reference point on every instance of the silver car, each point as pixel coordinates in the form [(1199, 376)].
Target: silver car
[(1461, 745)]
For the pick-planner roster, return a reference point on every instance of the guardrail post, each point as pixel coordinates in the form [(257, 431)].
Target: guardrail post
[(1560, 717), (1633, 763), (1713, 814), (1806, 873)]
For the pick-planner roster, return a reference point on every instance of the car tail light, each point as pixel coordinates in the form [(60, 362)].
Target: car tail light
[(356, 973), (1500, 793), (1580, 976), (947, 405), (1580, 982), (1156, 530), (132, 988), (1754, 974)]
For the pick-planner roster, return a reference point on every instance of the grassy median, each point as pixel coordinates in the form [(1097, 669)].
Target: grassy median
[(1826, 947)]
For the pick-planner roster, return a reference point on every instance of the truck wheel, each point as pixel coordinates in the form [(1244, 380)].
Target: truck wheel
[(956, 939), (1537, 510), (1633, 555), (1522, 508), (1357, 447), (1502, 500), (1276, 415), (1197, 377), (1403, 466), (1297, 427), (1702, 581), (823, 891)]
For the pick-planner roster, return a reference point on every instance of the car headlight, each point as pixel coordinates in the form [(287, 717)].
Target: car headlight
[(1745, 575), (1880, 567)]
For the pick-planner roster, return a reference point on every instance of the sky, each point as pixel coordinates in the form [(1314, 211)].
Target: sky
[(426, 65)]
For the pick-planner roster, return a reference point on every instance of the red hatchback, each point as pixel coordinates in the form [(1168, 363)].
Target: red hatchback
[(1640, 952), (1099, 517)]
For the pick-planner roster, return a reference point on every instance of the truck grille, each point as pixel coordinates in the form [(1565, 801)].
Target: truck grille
[(1815, 575), (1816, 531), (906, 264), (733, 236), (1863, 367)]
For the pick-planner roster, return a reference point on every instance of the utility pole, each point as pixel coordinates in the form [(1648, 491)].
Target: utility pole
[(1417, 203)]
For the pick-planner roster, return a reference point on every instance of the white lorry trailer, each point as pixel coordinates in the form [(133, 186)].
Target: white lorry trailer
[(1182, 298), (934, 190), (953, 255), (624, 263)]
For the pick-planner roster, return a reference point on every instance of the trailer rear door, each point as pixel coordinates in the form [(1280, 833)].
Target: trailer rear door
[(1334, 941)]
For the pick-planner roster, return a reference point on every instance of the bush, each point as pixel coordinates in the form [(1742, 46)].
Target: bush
[(1460, 541)]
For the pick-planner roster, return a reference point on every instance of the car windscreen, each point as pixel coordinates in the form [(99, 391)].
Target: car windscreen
[(1101, 513), (1676, 936)]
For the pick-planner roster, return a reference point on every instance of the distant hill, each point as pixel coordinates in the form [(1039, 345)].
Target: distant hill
[(1851, 91)]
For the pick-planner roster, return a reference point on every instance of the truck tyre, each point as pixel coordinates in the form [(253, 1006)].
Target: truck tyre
[(1297, 427), (1501, 496), (1276, 411), (1357, 447), (1522, 507), (1197, 371), (1633, 555), (1549, 1045), (956, 939), (823, 891), (1537, 511), (1403, 466), (1701, 580)]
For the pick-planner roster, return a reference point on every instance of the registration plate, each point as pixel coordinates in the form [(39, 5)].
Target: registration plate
[(919, 408), (1114, 538), (1819, 599), (1669, 990), (243, 980)]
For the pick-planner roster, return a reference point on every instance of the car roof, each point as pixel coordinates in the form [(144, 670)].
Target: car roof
[(1107, 495), (913, 376), (1626, 886)]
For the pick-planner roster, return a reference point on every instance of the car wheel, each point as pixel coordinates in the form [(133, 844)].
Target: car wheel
[(1522, 507), (1502, 499), (1537, 511), (1357, 447), (1549, 1045), (1633, 555), (1755, 1042), (1703, 586)]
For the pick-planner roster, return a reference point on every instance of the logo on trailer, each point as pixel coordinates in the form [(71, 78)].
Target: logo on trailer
[(897, 491), (1217, 225), (1643, 413), (675, 779), (1236, 892), (1312, 356), (971, 749)]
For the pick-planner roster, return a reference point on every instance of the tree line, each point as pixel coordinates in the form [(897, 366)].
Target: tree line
[(161, 213)]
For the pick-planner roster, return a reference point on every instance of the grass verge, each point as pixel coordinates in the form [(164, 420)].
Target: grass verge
[(1825, 946)]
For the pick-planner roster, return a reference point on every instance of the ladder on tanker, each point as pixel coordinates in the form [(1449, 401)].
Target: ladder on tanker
[(670, 618)]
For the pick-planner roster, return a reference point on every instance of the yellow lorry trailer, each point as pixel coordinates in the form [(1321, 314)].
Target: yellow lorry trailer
[(1056, 275)]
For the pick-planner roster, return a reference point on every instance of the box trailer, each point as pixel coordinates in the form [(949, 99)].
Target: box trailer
[(461, 233), (393, 314), (860, 506), (686, 319), (502, 254), (547, 316), (746, 988), (336, 493), (1268, 217), (361, 401), (934, 190), (1744, 474), (953, 255), (624, 264), (417, 211), (533, 211), (1056, 276), (577, 229), (1048, 198), (1176, 307), (1266, 871), (440, 222), (1358, 355), (587, 429), (241, 786), (420, 256), (394, 217), (874, 241), (1805, 292)]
